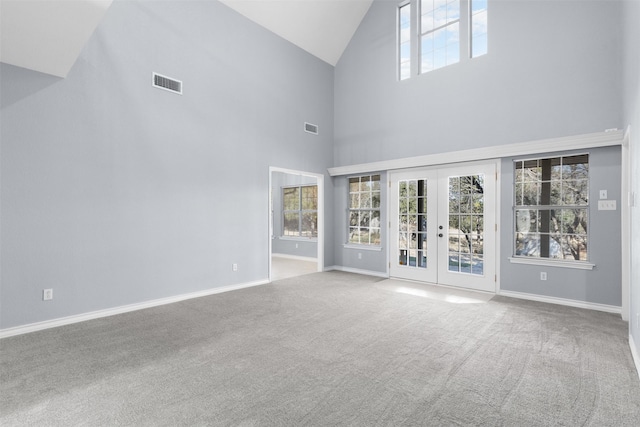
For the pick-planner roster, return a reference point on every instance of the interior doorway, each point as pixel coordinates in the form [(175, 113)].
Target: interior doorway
[(296, 223), (443, 225)]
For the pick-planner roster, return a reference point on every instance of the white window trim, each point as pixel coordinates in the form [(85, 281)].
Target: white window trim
[(370, 246), (554, 262), (362, 247), (548, 262)]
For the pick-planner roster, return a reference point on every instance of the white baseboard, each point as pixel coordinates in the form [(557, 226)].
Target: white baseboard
[(47, 324), (296, 257), (562, 301), (634, 354), (357, 271)]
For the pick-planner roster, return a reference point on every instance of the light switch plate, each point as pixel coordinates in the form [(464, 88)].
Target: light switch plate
[(607, 205), (603, 194)]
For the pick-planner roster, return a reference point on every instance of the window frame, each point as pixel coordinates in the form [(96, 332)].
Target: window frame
[(546, 180), (472, 34), (435, 29), (400, 41), (371, 209), (300, 212)]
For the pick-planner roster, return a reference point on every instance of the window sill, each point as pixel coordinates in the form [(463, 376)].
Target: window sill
[(362, 247), (579, 265), (298, 239)]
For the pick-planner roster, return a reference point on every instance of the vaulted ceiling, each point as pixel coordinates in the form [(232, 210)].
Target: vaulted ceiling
[(48, 35)]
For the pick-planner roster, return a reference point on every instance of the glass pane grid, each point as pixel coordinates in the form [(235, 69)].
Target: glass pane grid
[(466, 224), (551, 208), (364, 210), (412, 223)]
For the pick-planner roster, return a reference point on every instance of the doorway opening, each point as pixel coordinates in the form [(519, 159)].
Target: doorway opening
[(296, 223)]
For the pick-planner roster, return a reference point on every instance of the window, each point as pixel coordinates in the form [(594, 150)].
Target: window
[(404, 40), (552, 207), (478, 27), (364, 210), (445, 28), (300, 211), (439, 33)]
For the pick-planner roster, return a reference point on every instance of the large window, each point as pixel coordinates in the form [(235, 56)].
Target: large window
[(300, 211), (439, 33), (364, 210), (552, 207), (447, 31)]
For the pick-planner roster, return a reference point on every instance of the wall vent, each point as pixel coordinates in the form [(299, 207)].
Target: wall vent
[(308, 127), (167, 83)]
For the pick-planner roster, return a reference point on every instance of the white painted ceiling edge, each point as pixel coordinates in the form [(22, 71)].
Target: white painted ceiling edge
[(321, 27), (47, 35)]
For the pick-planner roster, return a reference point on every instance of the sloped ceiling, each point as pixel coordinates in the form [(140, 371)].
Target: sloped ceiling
[(321, 27), (48, 35)]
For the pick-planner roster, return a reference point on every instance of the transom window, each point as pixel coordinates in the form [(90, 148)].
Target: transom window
[(300, 211), (364, 210), (447, 32), (552, 208), (439, 33)]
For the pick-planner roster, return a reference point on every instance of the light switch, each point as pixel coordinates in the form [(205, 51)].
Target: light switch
[(603, 194), (607, 205)]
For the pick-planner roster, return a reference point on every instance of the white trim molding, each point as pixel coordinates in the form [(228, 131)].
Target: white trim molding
[(54, 323), (577, 142), (634, 355), (579, 265), (562, 301), (362, 247), (357, 271), (295, 257)]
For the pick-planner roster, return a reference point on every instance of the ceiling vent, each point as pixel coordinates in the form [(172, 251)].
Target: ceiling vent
[(167, 83), (308, 127)]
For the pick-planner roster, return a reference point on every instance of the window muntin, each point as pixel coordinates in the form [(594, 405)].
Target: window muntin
[(404, 41), (300, 211), (439, 34), (364, 210), (478, 27), (552, 208)]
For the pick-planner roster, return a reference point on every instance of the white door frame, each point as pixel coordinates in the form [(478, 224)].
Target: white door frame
[(497, 206), (320, 241)]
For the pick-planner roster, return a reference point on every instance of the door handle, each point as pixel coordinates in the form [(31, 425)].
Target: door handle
[(440, 227)]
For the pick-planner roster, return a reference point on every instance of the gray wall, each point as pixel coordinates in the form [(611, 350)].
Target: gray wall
[(600, 285), (553, 69), (114, 192), (631, 14), (303, 247)]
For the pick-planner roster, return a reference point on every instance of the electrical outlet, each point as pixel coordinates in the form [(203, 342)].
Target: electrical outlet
[(296, 246), (47, 294), (543, 275), (234, 267), (359, 255)]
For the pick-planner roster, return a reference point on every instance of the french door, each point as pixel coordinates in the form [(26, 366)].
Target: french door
[(442, 227)]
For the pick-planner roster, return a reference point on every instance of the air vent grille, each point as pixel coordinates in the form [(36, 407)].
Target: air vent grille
[(308, 127), (167, 83)]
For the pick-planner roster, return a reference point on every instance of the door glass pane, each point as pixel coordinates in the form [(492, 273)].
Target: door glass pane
[(412, 223), (466, 224)]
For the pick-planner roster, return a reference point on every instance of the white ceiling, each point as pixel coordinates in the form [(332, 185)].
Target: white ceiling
[(48, 35), (321, 27)]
